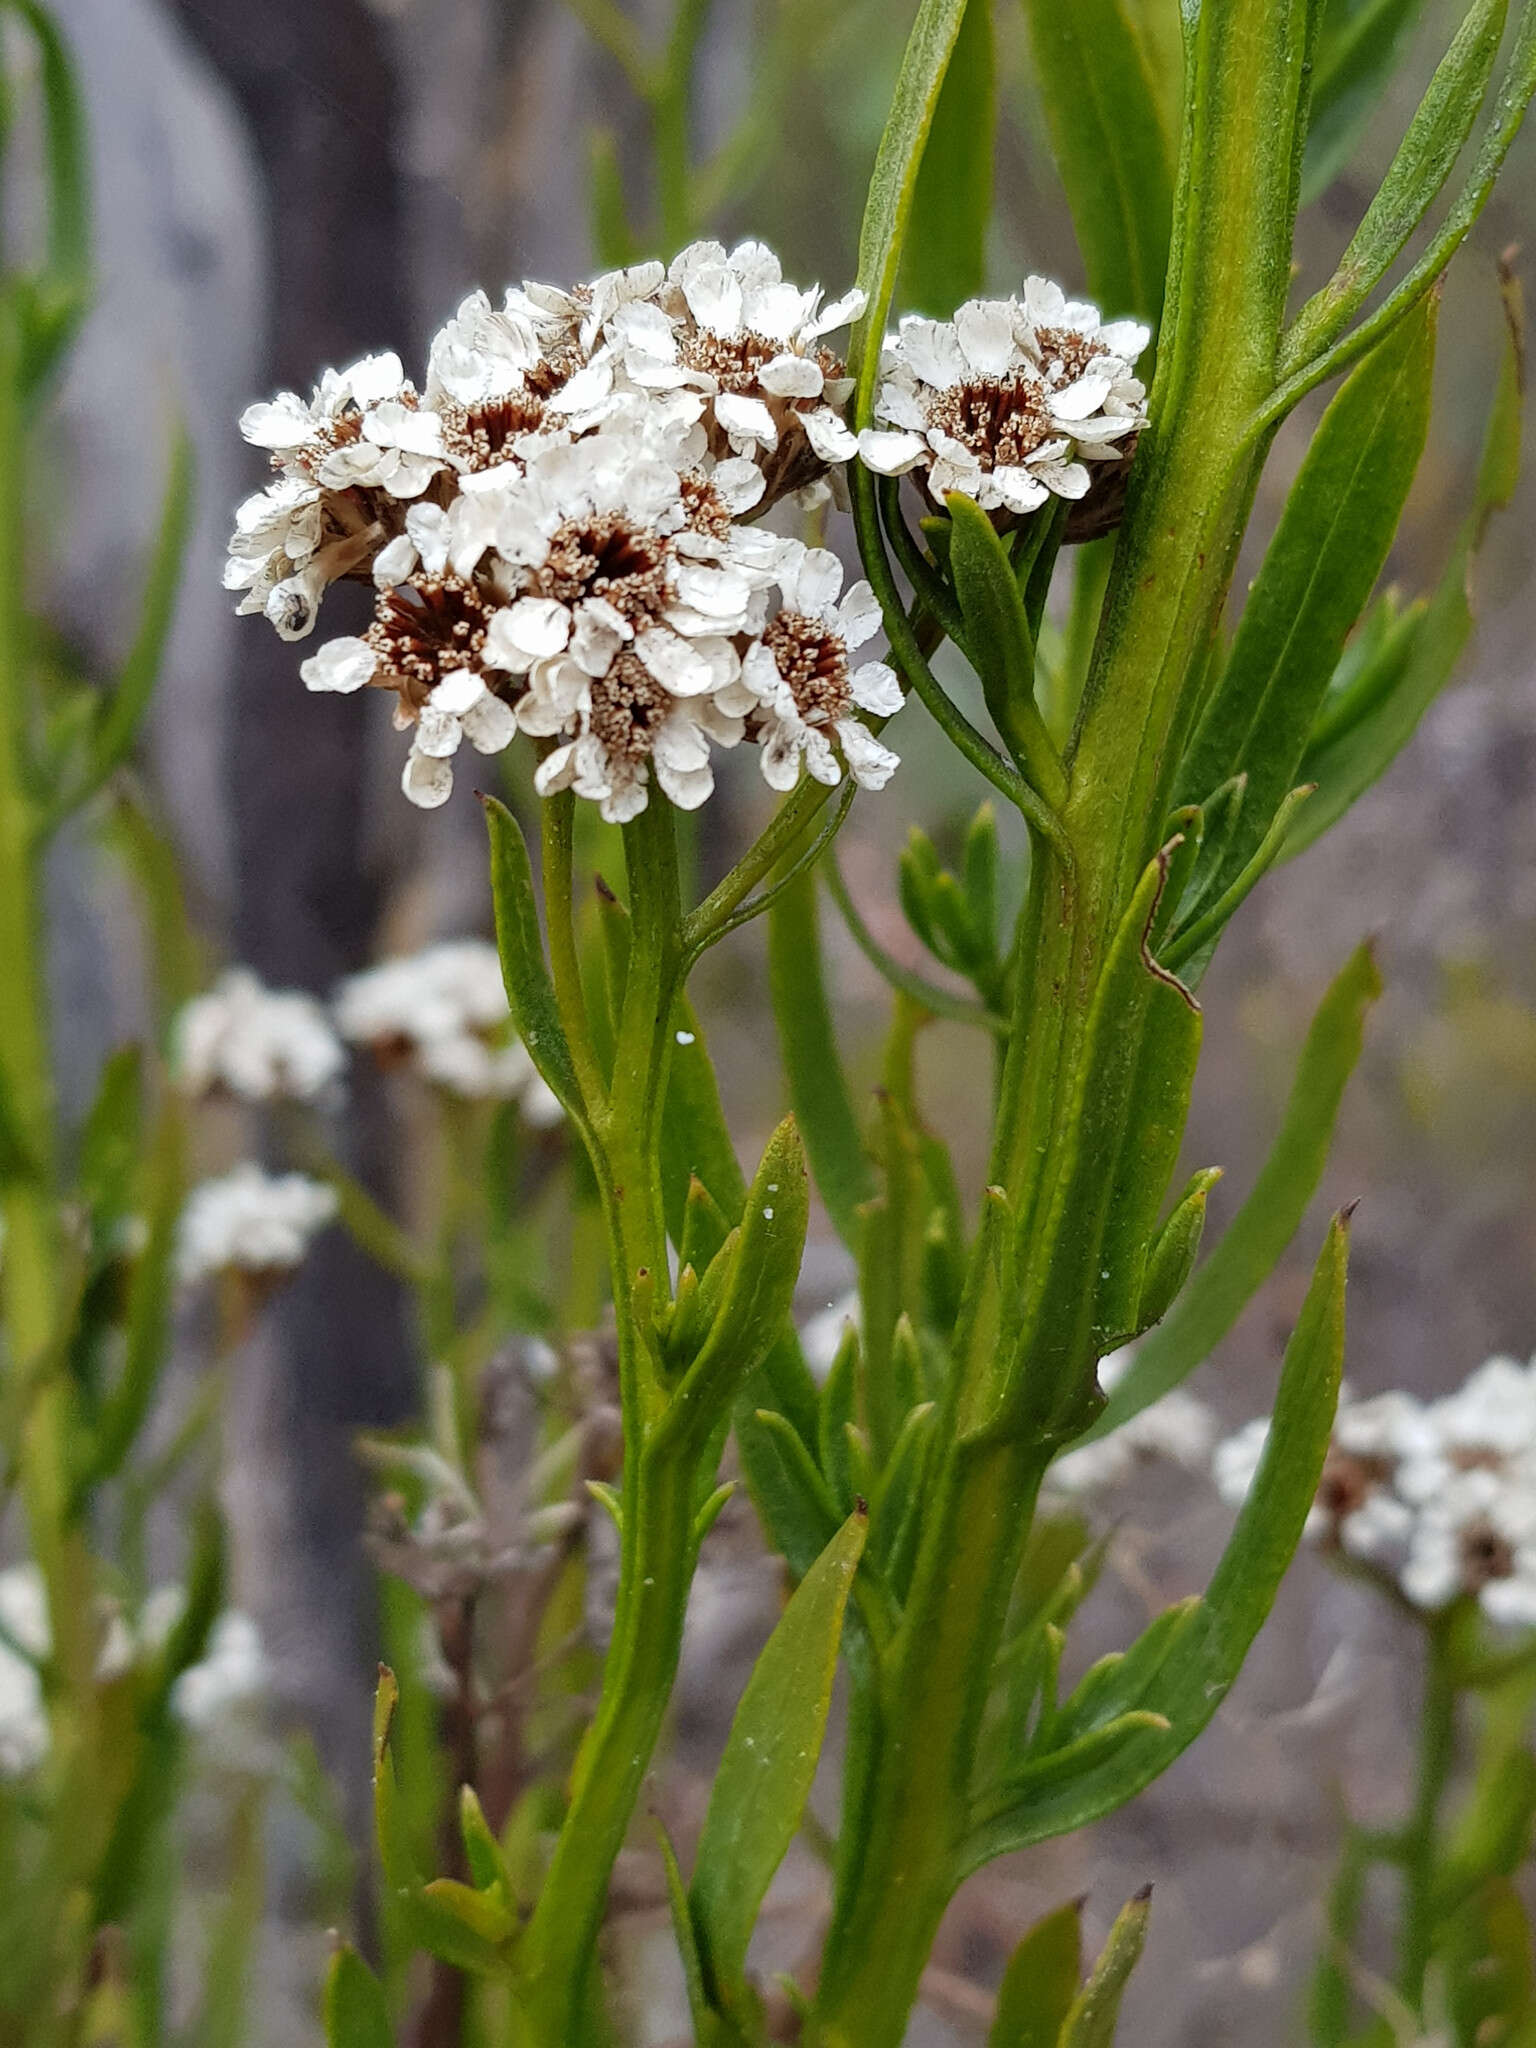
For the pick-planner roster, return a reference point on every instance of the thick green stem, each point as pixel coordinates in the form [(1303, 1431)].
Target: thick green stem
[(1420, 1839), (1190, 497)]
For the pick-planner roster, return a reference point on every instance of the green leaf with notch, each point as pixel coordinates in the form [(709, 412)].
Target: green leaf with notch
[(1271, 1216), (770, 1759)]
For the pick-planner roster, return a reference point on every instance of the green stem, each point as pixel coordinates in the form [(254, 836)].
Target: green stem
[(1420, 1839), (557, 826)]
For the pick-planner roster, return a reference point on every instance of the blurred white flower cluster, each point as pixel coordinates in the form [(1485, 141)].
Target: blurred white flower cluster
[(228, 1679), (250, 1222), (256, 1042), (1439, 1497), (554, 526), (1010, 402)]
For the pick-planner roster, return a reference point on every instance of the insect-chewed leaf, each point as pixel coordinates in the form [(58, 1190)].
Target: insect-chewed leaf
[(1040, 1983), (770, 1759), (356, 2012)]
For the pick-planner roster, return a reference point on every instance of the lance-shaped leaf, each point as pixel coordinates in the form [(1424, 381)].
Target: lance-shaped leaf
[(1316, 578), (356, 2011), (1104, 112), (1424, 161), (1172, 1257), (770, 1759), (1208, 1650), (1366, 725), (946, 245), (530, 992), (1040, 1983), (756, 1291), (1271, 1216), (53, 302), (893, 183), (998, 632), (1096, 2009), (818, 1087)]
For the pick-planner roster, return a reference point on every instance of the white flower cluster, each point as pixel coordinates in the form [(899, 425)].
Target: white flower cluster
[(444, 1010), (1009, 402), (250, 1221), (1177, 1430), (1440, 1496), (254, 1041), (231, 1673), (554, 529)]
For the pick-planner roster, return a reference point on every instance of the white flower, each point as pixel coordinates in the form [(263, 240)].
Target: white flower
[(1478, 1537), (1490, 1419), (250, 1220), (1175, 1430), (257, 1042), (445, 1010), (1002, 405), (231, 1673), (800, 677)]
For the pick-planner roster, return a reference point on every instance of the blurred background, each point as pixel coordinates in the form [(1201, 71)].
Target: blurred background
[(290, 183)]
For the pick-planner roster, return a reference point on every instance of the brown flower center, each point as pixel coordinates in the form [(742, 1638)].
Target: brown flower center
[(814, 663), (1349, 1479), (704, 509), (628, 704), (1485, 1556), (1066, 354), (736, 360), (480, 436), (607, 556), (426, 629), (1001, 420)]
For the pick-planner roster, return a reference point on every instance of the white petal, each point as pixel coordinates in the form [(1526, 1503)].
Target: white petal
[(394, 562), (890, 454), (686, 787), (791, 376), (555, 770), (832, 438), (1019, 489), (714, 296), (540, 625), (1125, 338), (984, 329), (739, 482), (427, 782), (819, 757), (777, 310), (858, 616), (839, 313), (489, 725), (438, 733), (428, 526), (781, 756), (679, 743), (457, 692), (875, 688), (373, 378), (817, 580), (674, 664), (746, 419), (595, 639), (1078, 400), (411, 428), (872, 765), (342, 665), (932, 351), (284, 423)]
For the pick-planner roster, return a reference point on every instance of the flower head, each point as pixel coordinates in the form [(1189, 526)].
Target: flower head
[(444, 1011), (251, 1221), (1009, 402), (258, 1043), (805, 688)]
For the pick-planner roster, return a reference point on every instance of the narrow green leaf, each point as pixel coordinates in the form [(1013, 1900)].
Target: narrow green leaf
[(997, 629), (1419, 654), (705, 2021), (56, 300), (839, 1413), (946, 246), (695, 1138), (757, 1292), (789, 1491), (1319, 571), (1188, 953), (482, 1851), (818, 1087), (1209, 1649), (613, 238), (530, 992), (893, 183), (1269, 1219), (1096, 2010), (770, 1759), (122, 712), (356, 2011), (1104, 111), (1040, 1983), (484, 1914), (110, 1141)]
